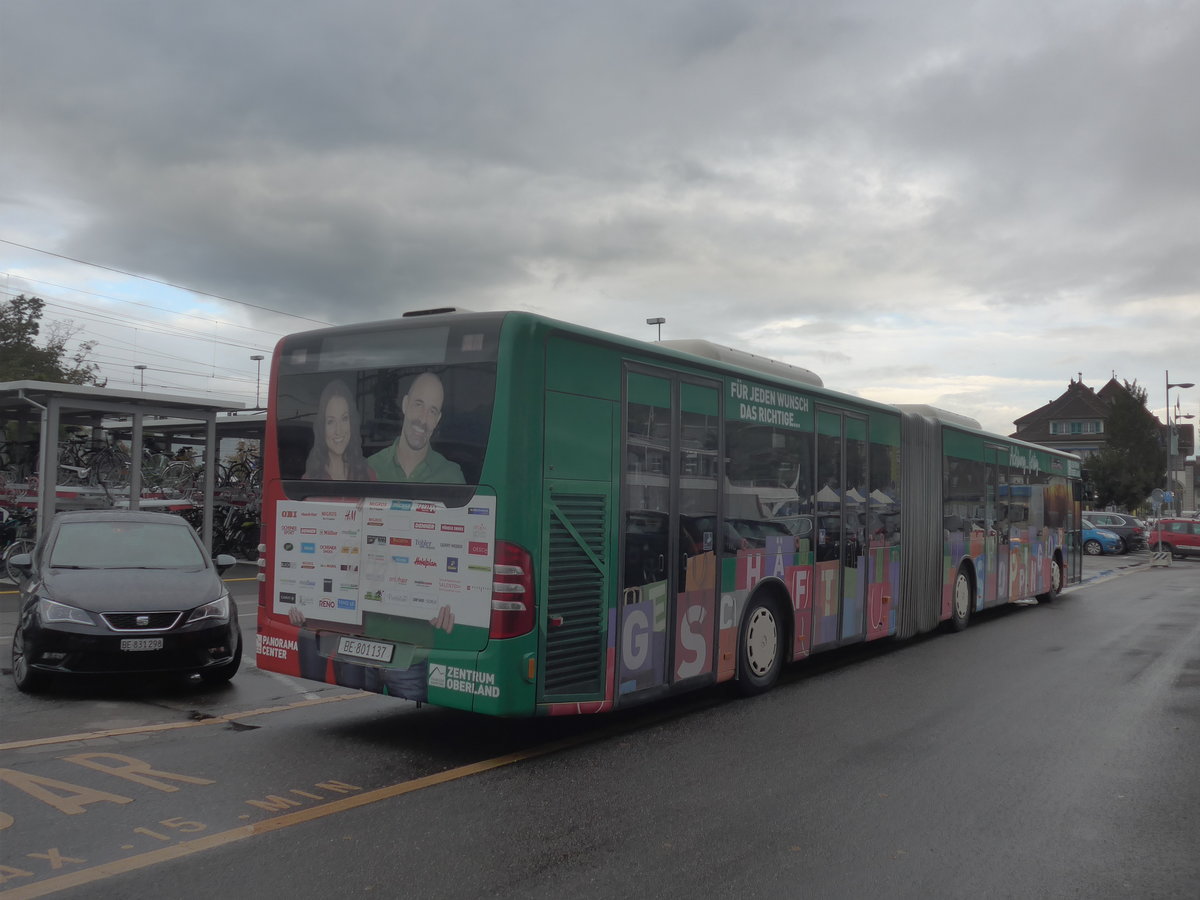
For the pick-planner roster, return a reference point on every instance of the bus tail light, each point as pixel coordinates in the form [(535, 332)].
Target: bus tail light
[(512, 591)]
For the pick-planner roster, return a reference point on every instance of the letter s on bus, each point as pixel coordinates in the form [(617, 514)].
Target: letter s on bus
[(693, 641)]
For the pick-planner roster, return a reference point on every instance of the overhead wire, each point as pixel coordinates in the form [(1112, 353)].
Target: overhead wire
[(178, 287)]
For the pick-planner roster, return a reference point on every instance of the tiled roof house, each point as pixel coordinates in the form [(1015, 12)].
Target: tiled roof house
[(1074, 422)]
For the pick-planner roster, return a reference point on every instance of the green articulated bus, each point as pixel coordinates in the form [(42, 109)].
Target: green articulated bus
[(508, 514)]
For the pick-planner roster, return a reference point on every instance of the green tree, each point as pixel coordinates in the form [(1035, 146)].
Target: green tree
[(1133, 461), (22, 358)]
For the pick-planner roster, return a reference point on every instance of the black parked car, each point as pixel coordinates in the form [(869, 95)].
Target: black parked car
[(123, 591), (1130, 529)]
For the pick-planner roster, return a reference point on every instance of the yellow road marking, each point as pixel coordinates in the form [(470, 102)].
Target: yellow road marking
[(300, 817), (171, 726)]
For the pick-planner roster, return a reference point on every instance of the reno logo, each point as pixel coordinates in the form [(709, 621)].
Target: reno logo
[(477, 548), (424, 562)]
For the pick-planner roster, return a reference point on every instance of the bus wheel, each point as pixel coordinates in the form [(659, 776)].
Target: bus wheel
[(960, 613), (761, 647), (1056, 581)]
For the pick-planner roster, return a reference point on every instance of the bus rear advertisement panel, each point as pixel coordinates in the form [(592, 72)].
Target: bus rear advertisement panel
[(505, 514)]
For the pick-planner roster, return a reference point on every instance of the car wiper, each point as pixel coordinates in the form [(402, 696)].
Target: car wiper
[(57, 566)]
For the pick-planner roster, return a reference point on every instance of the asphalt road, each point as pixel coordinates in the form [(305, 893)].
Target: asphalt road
[(1046, 751)]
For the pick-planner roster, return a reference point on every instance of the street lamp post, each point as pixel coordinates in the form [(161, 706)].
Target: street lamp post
[(258, 358), (659, 321), (142, 368), (1182, 385)]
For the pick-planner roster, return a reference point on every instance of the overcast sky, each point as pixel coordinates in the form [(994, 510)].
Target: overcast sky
[(942, 201)]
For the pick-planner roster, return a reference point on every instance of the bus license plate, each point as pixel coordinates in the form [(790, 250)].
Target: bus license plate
[(141, 643), (375, 651)]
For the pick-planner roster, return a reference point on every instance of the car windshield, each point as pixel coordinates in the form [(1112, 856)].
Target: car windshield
[(125, 545)]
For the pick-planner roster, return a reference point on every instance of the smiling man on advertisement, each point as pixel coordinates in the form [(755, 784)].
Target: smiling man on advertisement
[(410, 457)]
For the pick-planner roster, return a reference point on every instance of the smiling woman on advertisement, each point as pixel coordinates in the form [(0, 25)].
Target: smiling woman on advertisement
[(337, 441)]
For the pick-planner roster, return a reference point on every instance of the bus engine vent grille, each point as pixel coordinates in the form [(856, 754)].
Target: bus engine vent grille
[(575, 596)]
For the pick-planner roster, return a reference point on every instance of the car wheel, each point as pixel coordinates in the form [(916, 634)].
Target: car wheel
[(1092, 548), (221, 674), (28, 679), (761, 658), (1124, 546)]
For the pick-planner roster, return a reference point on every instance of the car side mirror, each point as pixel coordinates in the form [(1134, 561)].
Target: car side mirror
[(224, 561), (23, 562)]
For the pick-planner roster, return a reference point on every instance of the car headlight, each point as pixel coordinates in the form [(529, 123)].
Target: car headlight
[(218, 609), (50, 611)]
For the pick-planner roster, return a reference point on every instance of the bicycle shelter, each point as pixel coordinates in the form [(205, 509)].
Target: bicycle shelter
[(52, 406)]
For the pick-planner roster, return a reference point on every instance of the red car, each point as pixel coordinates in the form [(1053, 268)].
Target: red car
[(1179, 537)]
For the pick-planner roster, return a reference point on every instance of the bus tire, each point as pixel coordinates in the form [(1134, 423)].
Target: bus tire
[(760, 646), (963, 601), (1056, 580)]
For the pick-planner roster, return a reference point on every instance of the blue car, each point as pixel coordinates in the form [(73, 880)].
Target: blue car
[(1097, 541)]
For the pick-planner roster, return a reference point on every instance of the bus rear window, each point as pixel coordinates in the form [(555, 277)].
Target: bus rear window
[(398, 404)]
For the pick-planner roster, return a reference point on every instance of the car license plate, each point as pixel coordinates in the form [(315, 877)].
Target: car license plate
[(142, 643), (376, 651)]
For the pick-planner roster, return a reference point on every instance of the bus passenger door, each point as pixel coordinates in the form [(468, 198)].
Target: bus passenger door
[(839, 608), (997, 464), (666, 616)]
